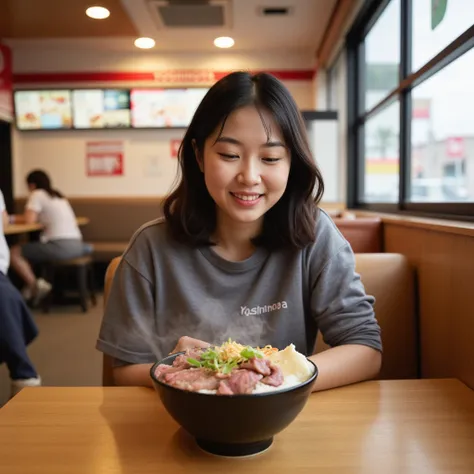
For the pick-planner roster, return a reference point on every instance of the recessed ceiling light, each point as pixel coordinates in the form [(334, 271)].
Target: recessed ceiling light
[(224, 42), (144, 43), (98, 13)]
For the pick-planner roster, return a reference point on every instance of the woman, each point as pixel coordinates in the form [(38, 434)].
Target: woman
[(17, 327), (60, 239), (243, 250)]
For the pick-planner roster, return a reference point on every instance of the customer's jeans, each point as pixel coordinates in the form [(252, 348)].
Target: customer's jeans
[(17, 330)]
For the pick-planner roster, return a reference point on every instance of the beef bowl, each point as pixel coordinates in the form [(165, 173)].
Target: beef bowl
[(223, 422)]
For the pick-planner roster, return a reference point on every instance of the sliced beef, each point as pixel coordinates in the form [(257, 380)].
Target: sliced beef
[(224, 389), (192, 379), (182, 362), (241, 381), (261, 366), (275, 379), (194, 353), (165, 369)]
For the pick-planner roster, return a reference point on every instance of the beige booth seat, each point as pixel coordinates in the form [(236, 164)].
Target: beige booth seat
[(390, 279)]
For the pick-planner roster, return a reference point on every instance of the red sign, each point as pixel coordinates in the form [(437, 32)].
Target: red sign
[(6, 83), (421, 108), (174, 146), (455, 147), (104, 158), (163, 77)]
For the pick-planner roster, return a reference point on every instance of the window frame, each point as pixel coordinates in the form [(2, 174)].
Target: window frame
[(370, 12)]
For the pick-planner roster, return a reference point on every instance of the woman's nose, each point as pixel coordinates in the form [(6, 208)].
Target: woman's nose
[(249, 175)]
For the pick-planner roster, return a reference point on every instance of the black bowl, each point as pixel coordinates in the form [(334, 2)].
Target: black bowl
[(233, 425)]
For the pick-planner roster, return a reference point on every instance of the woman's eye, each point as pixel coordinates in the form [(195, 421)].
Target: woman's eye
[(228, 156), (271, 160)]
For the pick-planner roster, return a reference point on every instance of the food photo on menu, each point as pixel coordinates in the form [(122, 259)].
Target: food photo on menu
[(96, 108), (164, 108), (48, 109)]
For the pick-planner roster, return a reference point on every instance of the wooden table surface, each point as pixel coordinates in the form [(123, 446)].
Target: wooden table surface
[(418, 426), (11, 229)]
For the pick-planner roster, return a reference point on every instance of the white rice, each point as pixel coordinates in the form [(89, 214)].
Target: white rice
[(288, 382)]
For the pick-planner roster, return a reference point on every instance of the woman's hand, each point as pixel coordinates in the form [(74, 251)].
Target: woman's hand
[(187, 342)]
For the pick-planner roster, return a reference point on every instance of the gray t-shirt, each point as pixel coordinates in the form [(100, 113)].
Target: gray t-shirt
[(163, 290)]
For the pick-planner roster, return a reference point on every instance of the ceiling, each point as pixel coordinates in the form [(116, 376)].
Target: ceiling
[(63, 24)]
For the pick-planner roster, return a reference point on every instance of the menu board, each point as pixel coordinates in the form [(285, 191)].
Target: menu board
[(43, 110), (99, 108), (106, 108), (163, 108)]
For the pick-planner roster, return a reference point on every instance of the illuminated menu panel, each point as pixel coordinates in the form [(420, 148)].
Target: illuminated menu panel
[(164, 108), (96, 108), (43, 110)]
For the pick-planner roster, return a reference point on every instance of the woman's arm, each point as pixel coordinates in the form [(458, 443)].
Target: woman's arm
[(29, 217), (345, 316), (346, 364), (4, 219), (134, 375)]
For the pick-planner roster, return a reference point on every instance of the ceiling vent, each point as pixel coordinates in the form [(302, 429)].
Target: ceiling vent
[(275, 11), (170, 14)]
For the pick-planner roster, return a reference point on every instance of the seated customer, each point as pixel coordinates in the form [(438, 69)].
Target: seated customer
[(17, 327), (61, 238)]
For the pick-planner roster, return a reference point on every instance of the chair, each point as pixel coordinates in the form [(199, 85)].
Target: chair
[(83, 268), (390, 279)]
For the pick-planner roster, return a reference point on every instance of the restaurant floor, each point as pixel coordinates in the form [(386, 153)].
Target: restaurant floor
[(64, 352)]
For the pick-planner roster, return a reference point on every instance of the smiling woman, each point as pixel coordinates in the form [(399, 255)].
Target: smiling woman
[(243, 251), (245, 171), (247, 152)]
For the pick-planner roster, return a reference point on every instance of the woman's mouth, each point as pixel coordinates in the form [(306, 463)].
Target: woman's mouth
[(247, 199)]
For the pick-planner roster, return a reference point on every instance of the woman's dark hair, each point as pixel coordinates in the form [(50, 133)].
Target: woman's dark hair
[(41, 180), (191, 211)]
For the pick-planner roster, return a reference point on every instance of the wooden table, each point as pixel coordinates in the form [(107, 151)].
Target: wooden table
[(12, 229), (419, 426)]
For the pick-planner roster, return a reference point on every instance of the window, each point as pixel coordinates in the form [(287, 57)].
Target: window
[(442, 135), (430, 38), (411, 103), (337, 101), (335, 78), (382, 55), (382, 156)]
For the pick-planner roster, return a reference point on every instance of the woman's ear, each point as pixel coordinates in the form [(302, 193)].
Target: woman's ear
[(198, 156)]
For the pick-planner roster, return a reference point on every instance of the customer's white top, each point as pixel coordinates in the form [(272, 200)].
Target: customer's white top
[(55, 214), (4, 250)]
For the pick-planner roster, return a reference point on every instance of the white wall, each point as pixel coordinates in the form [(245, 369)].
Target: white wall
[(149, 169), (322, 135), (321, 90)]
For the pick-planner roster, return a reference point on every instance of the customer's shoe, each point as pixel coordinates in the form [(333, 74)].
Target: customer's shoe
[(42, 290), (27, 293), (18, 384)]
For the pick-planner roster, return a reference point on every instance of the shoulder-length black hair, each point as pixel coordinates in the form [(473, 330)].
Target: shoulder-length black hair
[(189, 209), (41, 180)]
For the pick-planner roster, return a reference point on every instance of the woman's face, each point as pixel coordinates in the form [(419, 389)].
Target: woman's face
[(246, 168)]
